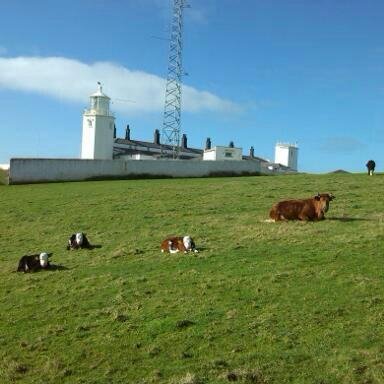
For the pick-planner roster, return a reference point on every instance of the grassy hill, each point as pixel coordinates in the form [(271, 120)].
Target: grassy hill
[(3, 176), (261, 303)]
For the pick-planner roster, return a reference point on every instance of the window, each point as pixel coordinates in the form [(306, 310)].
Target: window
[(228, 154)]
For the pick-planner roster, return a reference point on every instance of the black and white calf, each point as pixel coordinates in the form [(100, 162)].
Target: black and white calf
[(78, 240), (33, 263)]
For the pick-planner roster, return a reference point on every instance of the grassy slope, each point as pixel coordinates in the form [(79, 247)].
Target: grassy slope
[(3, 177), (264, 302)]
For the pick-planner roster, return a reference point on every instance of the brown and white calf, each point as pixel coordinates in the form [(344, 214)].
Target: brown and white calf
[(176, 244), (304, 209)]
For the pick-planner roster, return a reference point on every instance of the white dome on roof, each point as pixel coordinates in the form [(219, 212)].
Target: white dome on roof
[(99, 92)]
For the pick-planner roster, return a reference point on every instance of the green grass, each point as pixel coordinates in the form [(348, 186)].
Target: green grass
[(3, 176), (261, 303)]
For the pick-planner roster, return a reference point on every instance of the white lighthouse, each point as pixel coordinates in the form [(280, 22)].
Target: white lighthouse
[(98, 128), (287, 154)]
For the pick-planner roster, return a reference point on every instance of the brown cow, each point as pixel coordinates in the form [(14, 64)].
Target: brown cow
[(178, 244), (305, 209)]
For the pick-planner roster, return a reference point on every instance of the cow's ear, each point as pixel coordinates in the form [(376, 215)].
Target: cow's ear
[(317, 197)]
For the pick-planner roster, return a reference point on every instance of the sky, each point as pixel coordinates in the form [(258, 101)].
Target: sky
[(258, 72)]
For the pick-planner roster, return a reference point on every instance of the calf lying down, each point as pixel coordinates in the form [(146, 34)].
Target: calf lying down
[(33, 263), (304, 209), (78, 240), (176, 244)]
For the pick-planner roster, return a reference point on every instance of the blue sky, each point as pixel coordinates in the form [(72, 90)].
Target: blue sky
[(259, 71)]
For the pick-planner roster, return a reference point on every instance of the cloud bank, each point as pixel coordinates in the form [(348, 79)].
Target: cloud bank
[(131, 91)]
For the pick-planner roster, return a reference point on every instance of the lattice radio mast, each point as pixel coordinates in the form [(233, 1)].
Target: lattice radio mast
[(172, 106)]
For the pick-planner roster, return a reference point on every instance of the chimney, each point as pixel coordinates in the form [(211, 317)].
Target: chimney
[(252, 152), (114, 131), (208, 143), (127, 133), (231, 145), (184, 141), (156, 137)]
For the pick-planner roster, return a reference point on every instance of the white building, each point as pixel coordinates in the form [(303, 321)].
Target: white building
[(223, 153), (99, 142), (287, 155), (98, 128)]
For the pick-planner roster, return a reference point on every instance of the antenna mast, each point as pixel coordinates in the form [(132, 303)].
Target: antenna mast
[(172, 106)]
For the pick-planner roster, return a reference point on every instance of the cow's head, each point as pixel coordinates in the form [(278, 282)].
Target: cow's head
[(43, 258), (324, 199), (189, 244), (79, 238), (187, 241)]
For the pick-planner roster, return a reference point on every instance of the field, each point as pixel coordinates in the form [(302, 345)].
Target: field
[(260, 303), (3, 177)]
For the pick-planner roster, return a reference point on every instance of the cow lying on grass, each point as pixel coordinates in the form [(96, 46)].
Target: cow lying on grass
[(33, 263), (306, 209), (178, 244), (78, 240)]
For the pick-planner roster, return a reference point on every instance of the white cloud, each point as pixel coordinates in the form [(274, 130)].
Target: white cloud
[(197, 15), (74, 81), (340, 144)]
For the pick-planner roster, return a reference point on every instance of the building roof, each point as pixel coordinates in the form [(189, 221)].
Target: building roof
[(247, 157), (123, 151), (131, 147), (147, 144)]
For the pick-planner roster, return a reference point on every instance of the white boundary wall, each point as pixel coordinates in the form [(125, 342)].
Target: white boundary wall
[(23, 171)]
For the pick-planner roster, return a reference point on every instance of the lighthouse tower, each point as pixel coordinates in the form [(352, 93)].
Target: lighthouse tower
[(287, 154), (98, 128)]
